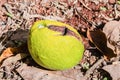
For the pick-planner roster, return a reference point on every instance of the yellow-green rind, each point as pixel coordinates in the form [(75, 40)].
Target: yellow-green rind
[(52, 50)]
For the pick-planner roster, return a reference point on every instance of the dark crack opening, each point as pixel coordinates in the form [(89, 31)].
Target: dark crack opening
[(64, 30)]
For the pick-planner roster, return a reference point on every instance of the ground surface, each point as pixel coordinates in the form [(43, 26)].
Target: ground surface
[(17, 16)]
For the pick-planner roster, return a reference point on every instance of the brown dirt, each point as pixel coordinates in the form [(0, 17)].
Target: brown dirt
[(17, 16)]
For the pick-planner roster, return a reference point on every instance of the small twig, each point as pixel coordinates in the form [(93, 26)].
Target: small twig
[(116, 11), (81, 15), (8, 8), (93, 68), (9, 12), (106, 17), (84, 5), (58, 5), (6, 37), (75, 2)]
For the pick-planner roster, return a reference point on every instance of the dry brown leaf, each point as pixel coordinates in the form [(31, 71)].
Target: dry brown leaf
[(70, 73), (11, 51), (13, 59), (112, 31), (98, 38), (32, 73), (109, 27), (7, 69), (113, 70), (7, 53)]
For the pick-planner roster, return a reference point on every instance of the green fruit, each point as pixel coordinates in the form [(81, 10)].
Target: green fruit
[(53, 50)]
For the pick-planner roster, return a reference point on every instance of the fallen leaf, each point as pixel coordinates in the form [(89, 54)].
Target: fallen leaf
[(70, 73), (98, 38), (13, 59), (112, 31), (7, 53), (7, 69), (109, 27), (113, 70), (11, 51), (32, 73)]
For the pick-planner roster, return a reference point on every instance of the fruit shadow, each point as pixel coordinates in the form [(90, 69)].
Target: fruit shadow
[(18, 38)]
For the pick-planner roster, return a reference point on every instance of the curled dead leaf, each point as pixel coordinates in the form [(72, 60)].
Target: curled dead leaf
[(112, 31), (98, 38), (7, 53)]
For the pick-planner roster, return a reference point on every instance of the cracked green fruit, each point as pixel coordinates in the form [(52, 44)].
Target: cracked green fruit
[(55, 45)]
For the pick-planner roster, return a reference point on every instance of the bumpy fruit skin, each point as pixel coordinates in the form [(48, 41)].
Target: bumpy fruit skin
[(52, 50)]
